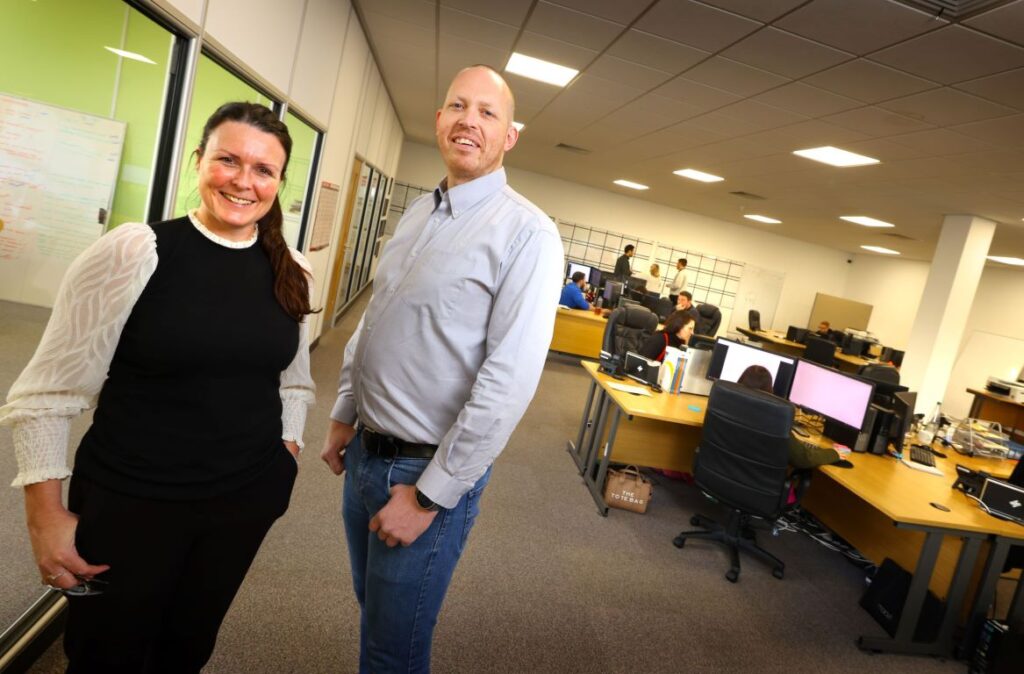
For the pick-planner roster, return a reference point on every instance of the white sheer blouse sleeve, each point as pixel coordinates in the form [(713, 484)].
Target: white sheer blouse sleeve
[(70, 365), (297, 387)]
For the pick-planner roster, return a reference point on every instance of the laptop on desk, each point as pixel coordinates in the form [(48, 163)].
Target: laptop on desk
[(1003, 499), (642, 370)]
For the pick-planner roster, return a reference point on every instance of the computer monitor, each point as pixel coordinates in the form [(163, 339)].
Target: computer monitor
[(730, 359), (595, 277), (796, 334), (902, 417), (612, 293), (574, 267), (834, 395)]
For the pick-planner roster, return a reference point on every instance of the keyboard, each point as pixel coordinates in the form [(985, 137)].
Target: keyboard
[(919, 455), (921, 467)]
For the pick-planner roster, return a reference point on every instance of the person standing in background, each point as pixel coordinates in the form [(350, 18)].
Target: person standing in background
[(679, 282), (439, 372), (623, 269)]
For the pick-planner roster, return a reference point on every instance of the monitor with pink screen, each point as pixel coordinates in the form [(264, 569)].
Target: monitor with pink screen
[(830, 393)]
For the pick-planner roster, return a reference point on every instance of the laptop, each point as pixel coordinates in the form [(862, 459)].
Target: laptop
[(1003, 499), (639, 368)]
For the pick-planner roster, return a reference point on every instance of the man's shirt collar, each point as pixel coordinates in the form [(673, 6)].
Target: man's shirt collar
[(465, 196)]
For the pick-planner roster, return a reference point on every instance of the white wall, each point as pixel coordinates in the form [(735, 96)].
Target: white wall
[(893, 288), (808, 268)]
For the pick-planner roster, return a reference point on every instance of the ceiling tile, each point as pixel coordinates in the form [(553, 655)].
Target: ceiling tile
[(547, 48), (669, 108), (619, 11), (876, 122), (655, 52), (952, 54), (727, 126), (1002, 132), (1007, 88), (667, 141), (478, 29), (1006, 22), (884, 147), (419, 12), (573, 27), (695, 24), (868, 82), (939, 142), (733, 77), (946, 107), (530, 94), (807, 100), (702, 96), (386, 30), (763, 116), (760, 10), (784, 53), (511, 12), (858, 27), (574, 109), (627, 72), (614, 92)]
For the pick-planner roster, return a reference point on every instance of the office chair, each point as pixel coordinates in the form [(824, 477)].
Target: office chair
[(663, 307), (742, 463), (754, 319), (627, 329), (708, 320), (821, 351), (891, 355), (880, 372), (701, 342)]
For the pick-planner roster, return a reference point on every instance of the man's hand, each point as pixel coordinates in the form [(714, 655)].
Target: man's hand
[(51, 528), (401, 520), (339, 435)]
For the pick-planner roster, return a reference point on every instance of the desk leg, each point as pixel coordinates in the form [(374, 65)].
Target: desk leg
[(903, 642), (957, 591), (1015, 616), (576, 450), (596, 434), (983, 597), (596, 483)]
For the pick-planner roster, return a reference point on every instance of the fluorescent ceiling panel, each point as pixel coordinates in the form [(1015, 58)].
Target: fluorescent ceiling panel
[(763, 218), (631, 185), (833, 156), (879, 249), (540, 70), (1015, 261), (694, 174), (866, 221)]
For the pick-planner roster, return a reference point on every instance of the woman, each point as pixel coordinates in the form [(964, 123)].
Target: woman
[(676, 333), (194, 340)]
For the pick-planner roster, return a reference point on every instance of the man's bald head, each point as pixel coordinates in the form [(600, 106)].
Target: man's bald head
[(511, 108)]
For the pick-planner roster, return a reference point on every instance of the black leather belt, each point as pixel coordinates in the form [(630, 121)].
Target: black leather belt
[(391, 447)]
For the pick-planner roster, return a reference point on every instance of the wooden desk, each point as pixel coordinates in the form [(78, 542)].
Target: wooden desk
[(778, 344), (578, 332), (880, 506), (995, 407)]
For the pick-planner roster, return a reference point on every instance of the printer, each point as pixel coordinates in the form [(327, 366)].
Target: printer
[(862, 335), (1006, 387)]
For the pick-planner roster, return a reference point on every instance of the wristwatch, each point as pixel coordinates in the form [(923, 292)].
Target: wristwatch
[(424, 502)]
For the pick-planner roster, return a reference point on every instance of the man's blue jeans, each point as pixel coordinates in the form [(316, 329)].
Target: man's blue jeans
[(400, 589)]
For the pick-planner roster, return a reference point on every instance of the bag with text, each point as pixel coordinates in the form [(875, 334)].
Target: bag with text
[(627, 489)]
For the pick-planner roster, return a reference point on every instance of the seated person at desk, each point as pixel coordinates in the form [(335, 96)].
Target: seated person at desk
[(825, 331), (801, 456), (676, 333), (572, 293), (684, 302)]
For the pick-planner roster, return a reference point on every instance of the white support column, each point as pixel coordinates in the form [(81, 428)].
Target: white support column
[(945, 305)]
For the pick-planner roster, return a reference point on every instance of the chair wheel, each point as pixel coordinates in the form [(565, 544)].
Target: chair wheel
[(732, 575), (777, 572), (695, 521), (679, 541)]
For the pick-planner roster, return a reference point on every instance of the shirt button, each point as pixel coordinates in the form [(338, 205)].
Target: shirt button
[(391, 290)]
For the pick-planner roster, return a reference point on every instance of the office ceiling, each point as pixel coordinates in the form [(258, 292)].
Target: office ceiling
[(732, 87)]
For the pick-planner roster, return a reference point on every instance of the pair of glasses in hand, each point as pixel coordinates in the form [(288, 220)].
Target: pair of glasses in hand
[(86, 588)]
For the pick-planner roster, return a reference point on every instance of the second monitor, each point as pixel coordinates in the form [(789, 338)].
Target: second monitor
[(832, 394), (730, 359)]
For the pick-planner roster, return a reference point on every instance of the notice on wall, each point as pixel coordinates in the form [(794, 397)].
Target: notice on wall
[(58, 170), (323, 223)]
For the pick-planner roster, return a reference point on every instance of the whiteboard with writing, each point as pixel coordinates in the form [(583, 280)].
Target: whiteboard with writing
[(58, 170)]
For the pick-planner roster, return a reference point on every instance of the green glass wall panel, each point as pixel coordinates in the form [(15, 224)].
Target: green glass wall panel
[(293, 192)]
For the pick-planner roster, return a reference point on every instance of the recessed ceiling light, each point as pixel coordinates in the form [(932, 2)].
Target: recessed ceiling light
[(631, 185), (835, 157), (1015, 261), (130, 55), (866, 221), (519, 125), (542, 71), (879, 249), (764, 219), (694, 174)]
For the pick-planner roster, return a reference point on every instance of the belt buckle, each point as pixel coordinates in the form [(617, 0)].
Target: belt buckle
[(382, 445)]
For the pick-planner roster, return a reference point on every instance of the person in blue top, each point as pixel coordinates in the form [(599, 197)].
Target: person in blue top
[(572, 293)]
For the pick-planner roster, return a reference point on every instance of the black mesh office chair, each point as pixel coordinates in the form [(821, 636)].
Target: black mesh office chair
[(821, 351), (754, 319), (701, 342), (627, 329), (891, 355), (708, 320), (742, 464), (885, 374), (663, 307)]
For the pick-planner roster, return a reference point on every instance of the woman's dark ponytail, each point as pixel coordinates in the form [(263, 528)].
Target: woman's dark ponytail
[(291, 284)]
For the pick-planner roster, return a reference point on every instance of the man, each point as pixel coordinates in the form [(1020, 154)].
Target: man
[(572, 293), (685, 303), (623, 270), (438, 373), (679, 282)]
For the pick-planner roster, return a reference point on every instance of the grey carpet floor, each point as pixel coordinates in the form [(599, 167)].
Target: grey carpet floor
[(546, 585)]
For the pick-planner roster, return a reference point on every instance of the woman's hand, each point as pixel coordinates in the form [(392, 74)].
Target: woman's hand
[(292, 447), (52, 530)]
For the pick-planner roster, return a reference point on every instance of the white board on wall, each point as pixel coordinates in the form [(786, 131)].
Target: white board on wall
[(759, 289), (58, 170)]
